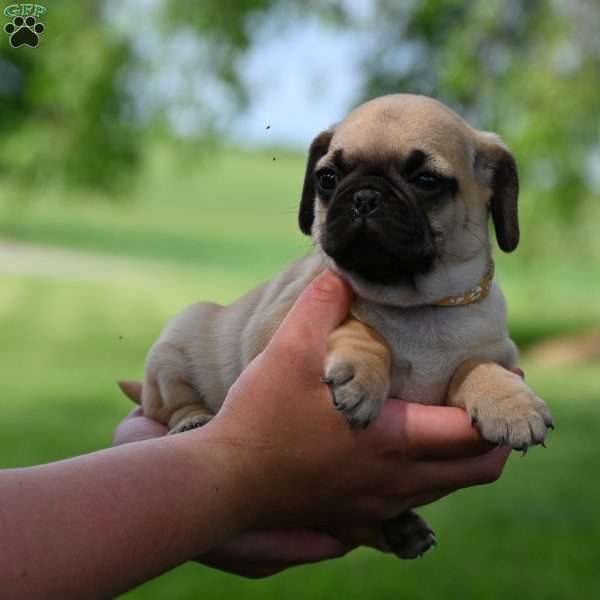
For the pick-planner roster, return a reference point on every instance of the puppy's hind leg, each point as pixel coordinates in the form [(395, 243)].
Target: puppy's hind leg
[(189, 417), (408, 535), (167, 396)]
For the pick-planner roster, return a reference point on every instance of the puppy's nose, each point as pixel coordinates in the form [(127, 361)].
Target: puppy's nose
[(365, 203)]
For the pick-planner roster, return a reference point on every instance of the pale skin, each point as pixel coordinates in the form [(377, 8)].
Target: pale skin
[(275, 459)]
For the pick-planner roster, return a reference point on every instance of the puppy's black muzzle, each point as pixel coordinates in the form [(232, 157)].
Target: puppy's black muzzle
[(379, 231)]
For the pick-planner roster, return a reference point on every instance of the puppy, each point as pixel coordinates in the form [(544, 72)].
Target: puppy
[(396, 199)]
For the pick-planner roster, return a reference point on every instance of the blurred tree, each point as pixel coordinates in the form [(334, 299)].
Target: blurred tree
[(61, 108), (527, 69)]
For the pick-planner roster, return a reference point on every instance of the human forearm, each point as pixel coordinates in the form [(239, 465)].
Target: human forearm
[(99, 524)]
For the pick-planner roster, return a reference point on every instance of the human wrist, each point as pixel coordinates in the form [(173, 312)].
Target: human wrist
[(228, 474)]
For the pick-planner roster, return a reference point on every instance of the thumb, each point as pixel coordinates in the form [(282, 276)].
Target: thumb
[(320, 309)]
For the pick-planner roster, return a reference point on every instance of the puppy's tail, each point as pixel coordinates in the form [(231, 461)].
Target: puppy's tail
[(132, 389)]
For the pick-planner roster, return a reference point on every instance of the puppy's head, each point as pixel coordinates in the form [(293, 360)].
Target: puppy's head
[(403, 187)]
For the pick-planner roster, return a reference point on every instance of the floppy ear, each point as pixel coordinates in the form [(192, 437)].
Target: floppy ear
[(317, 150), (497, 168)]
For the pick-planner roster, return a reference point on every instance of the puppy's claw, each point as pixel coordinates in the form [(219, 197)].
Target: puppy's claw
[(190, 423)]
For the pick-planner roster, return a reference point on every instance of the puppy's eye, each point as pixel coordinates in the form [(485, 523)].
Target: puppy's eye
[(327, 179), (426, 181)]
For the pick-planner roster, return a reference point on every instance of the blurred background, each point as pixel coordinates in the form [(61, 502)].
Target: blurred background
[(152, 154)]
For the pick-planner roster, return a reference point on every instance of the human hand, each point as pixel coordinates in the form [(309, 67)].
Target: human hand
[(252, 554), (297, 461)]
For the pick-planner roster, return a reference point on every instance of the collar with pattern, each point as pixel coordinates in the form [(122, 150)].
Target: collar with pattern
[(479, 292)]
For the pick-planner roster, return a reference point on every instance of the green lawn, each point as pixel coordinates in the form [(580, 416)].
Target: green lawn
[(76, 317)]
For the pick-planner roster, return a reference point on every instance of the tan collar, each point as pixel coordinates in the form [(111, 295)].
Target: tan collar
[(479, 292)]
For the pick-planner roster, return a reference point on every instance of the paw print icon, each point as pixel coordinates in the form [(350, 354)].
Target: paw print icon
[(24, 31)]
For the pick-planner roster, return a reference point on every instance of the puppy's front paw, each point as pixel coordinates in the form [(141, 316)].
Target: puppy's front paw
[(407, 535), (190, 422), (519, 419), (358, 391)]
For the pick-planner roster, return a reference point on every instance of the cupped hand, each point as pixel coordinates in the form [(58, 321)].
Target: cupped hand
[(299, 463)]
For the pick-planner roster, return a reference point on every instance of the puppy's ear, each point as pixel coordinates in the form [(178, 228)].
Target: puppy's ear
[(496, 168), (317, 150)]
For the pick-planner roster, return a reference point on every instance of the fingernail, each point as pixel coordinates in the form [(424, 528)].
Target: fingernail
[(327, 282)]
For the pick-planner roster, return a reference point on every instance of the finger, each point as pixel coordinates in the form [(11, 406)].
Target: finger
[(134, 413), (321, 307), (428, 432), (277, 548), (262, 554), (428, 498), (132, 389), (440, 476), (135, 427), (360, 534)]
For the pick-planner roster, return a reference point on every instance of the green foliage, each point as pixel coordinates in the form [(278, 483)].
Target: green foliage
[(226, 19), (527, 69), (61, 108), (222, 26)]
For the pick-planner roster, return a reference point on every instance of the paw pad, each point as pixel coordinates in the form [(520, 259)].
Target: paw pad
[(24, 31)]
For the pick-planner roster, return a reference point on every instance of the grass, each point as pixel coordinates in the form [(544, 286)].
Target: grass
[(113, 273)]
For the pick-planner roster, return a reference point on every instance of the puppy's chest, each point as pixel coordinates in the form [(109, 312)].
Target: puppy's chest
[(427, 345)]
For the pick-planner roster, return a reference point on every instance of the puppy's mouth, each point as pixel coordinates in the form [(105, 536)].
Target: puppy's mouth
[(379, 234)]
